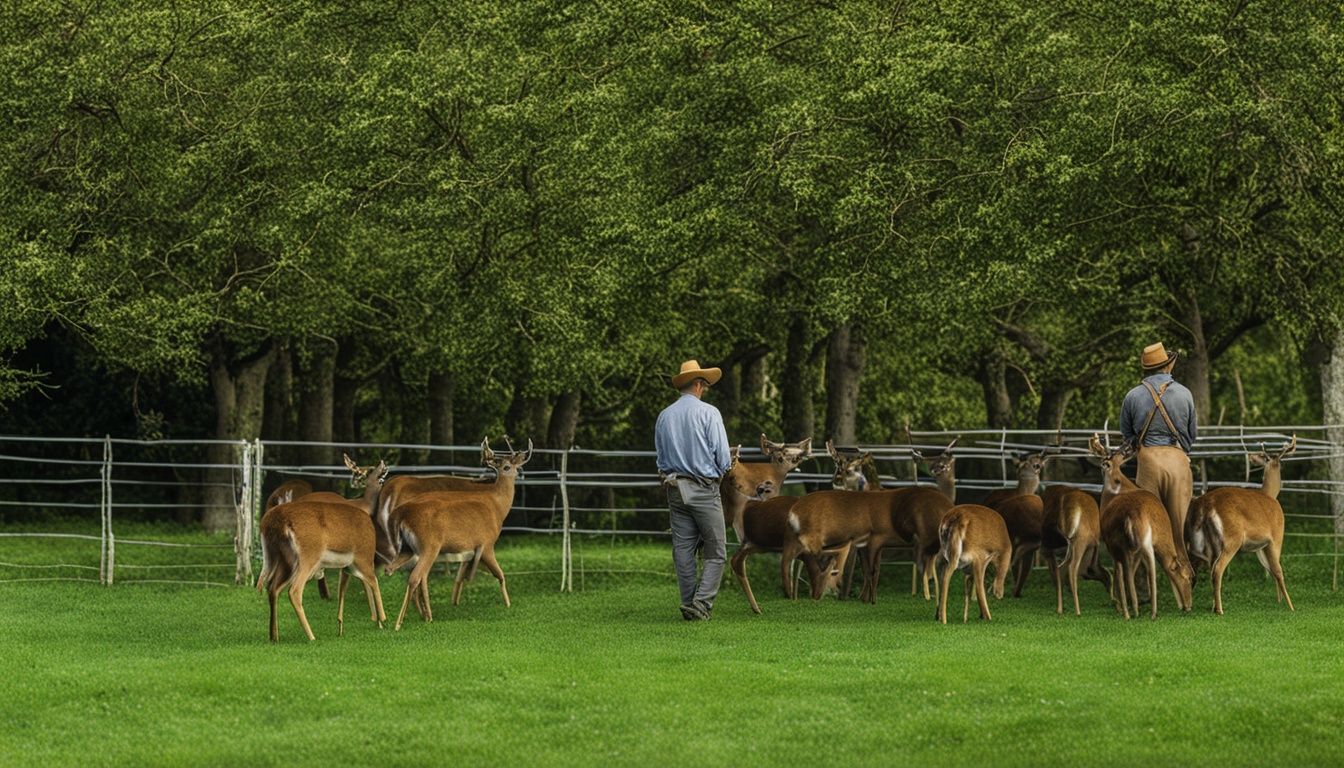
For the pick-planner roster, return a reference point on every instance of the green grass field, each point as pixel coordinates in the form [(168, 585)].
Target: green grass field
[(153, 674)]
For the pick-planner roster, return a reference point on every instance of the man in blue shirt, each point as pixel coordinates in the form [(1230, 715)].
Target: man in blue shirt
[(692, 447), (1157, 419)]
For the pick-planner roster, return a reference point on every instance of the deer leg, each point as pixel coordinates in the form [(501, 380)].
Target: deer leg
[(1152, 583), (941, 611), (322, 590), (1270, 556), (1057, 578), (491, 564), (739, 567), (296, 599), (462, 571), (966, 606), (1075, 562), (367, 572), (342, 582), (979, 569), (786, 557), (414, 582), (1216, 573)]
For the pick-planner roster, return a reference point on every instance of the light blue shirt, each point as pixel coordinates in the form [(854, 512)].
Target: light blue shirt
[(690, 439)]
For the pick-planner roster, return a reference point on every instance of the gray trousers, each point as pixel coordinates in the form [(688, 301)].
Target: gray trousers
[(696, 514)]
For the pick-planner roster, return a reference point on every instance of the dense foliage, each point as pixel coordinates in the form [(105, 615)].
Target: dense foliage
[(438, 221)]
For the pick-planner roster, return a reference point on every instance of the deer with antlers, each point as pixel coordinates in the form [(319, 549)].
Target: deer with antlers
[(1135, 528), (303, 537), (454, 523), (971, 538), (1229, 520), (293, 490), (783, 459), (399, 489)]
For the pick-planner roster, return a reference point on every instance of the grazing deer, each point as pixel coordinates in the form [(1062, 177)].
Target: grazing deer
[(838, 521), (1228, 520), (1136, 528), (1072, 522), (765, 527), (455, 523), (784, 458), (971, 537), (300, 538)]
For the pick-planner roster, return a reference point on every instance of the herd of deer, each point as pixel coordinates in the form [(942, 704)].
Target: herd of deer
[(421, 520), (1065, 525), (398, 520)]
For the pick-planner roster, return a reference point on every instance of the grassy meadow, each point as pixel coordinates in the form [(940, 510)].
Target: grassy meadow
[(158, 674)]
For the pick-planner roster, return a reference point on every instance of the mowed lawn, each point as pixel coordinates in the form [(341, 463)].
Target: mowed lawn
[(149, 674)]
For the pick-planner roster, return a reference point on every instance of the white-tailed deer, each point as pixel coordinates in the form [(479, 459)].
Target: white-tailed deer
[(455, 523), (764, 525), (1135, 528), (942, 470), (402, 488), (1071, 522), (1229, 520), (1028, 471), (290, 490), (783, 459), (848, 474), (300, 538), (972, 537), (293, 490), (837, 521)]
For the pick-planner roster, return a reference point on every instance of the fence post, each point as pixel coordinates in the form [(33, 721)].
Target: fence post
[(250, 455), (566, 557), (107, 546)]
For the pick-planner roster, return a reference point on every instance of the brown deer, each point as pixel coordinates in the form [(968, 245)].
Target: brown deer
[(838, 521), (764, 526), (849, 469), (1229, 520), (972, 537), (942, 470), (402, 488), (1135, 528), (453, 522), (783, 459), (1028, 471), (300, 538), (293, 490), (1072, 522)]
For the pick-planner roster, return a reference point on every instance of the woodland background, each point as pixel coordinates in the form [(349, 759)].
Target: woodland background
[(429, 222)]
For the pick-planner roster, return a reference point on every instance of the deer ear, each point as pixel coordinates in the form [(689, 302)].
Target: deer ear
[(806, 447), (350, 463), (1258, 459)]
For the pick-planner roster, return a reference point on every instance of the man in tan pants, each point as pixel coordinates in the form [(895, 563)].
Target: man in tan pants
[(1158, 419)]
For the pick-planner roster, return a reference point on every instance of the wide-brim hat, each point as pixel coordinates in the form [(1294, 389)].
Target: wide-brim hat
[(691, 370), (1156, 356)]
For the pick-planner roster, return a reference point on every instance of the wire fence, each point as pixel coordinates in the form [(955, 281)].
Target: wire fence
[(115, 495)]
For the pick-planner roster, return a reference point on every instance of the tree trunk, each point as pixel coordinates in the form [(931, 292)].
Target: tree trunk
[(317, 394), (278, 420), (1054, 400), (1332, 400), (1195, 369), (440, 398), (344, 389), (526, 418), (240, 399), (992, 374), (564, 420), (845, 353), (798, 420)]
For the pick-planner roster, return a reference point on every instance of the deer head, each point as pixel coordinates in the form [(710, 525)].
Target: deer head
[(786, 456)]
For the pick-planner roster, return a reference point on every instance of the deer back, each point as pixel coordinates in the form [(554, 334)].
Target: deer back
[(766, 523)]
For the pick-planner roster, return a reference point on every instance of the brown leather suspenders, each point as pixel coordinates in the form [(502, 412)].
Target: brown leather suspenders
[(1157, 402)]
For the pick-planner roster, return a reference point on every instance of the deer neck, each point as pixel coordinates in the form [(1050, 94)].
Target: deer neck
[(1273, 480), (947, 483), (1027, 484), (369, 499)]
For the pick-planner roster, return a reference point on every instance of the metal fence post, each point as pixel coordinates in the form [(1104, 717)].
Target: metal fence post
[(566, 555), (107, 545)]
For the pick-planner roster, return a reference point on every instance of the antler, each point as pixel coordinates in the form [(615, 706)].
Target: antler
[(1289, 448)]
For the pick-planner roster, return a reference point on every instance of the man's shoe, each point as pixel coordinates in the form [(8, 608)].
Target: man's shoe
[(692, 613), (706, 610)]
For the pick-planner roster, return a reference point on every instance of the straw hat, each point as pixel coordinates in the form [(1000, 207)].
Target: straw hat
[(691, 370), (1155, 356)]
